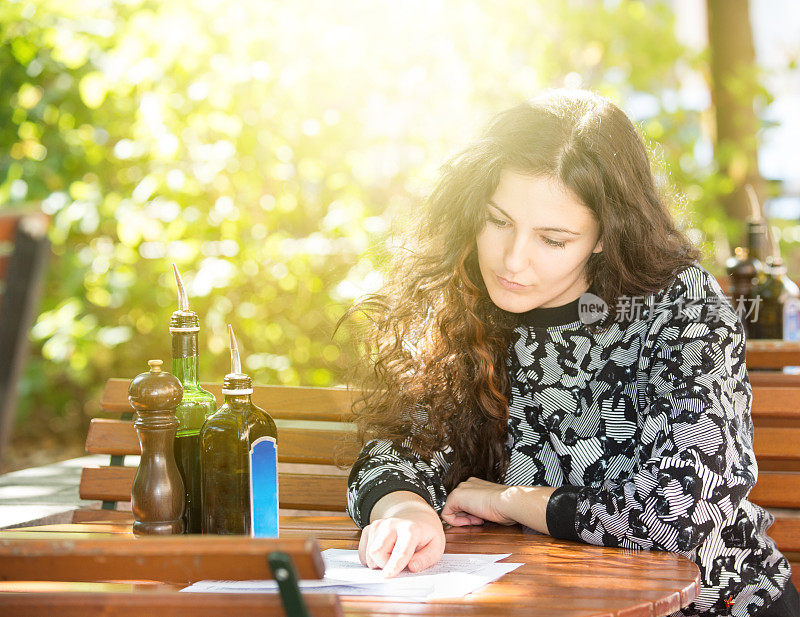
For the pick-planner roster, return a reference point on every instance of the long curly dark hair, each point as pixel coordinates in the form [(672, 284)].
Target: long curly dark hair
[(435, 343)]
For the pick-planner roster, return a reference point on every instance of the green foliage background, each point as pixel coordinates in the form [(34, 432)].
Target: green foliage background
[(270, 149)]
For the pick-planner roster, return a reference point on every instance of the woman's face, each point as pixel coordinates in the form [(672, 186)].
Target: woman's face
[(537, 234)]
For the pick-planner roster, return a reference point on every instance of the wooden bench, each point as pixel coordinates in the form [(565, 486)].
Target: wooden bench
[(315, 433)]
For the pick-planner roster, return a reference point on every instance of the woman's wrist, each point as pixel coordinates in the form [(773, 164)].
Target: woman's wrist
[(397, 503), (527, 505)]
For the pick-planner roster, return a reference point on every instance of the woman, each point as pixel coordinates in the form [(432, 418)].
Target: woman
[(551, 353)]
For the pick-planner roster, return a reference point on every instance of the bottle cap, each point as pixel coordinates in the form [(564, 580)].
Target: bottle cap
[(236, 382), (183, 320)]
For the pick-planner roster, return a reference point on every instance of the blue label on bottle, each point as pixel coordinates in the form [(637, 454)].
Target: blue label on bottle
[(791, 320), (264, 488)]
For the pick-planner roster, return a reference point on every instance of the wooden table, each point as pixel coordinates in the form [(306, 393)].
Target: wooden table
[(559, 577)]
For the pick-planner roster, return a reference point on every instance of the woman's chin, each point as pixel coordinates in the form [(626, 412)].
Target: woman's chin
[(511, 302)]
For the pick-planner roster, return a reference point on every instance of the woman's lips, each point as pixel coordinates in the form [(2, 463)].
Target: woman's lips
[(508, 284)]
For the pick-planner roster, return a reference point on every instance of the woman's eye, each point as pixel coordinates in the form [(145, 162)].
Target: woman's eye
[(501, 224)]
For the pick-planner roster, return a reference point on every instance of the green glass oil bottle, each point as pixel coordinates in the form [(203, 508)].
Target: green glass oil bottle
[(227, 439), (197, 404)]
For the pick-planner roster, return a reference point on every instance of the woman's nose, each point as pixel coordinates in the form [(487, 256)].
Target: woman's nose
[(515, 257)]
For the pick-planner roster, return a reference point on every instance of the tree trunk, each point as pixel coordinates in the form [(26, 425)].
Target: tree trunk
[(734, 82)]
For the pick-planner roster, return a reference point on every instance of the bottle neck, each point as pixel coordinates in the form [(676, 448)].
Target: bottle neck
[(184, 358), (756, 236), (237, 400)]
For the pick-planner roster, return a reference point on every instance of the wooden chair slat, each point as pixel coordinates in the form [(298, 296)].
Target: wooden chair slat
[(786, 533), (778, 464), (284, 402), (776, 402), (313, 492), (775, 489), (172, 559), (328, 492), (773, 378), (81, 604), (86, 515), (772, 354), (299, 404), (302, 491), (777, 443), (320, 443), (115, 437), (298, 441), (106, 483)]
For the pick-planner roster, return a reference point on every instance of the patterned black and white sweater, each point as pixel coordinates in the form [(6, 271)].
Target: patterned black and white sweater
[(645, 426)]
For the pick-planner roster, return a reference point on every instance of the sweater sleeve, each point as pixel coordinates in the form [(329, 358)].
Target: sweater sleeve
[(383, 467), (696, 460)]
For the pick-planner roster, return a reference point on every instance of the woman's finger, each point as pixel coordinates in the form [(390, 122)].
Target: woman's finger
[(427, 555), (362, 544), (451, 507), (457, 519), (381, 543), (402, 552)]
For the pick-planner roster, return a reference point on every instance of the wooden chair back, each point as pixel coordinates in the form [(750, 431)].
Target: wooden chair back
[(175, 560), (23, 251), (316, 446)]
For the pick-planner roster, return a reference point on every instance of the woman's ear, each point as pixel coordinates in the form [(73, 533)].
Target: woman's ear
[(598, 248)]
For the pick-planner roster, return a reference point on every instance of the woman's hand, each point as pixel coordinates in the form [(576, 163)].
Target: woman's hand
[(412, 536), (474, 501)]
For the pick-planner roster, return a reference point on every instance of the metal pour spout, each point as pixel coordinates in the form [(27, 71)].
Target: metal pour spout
[(774, 247), (752, 199), (236, 363), (183, 299)]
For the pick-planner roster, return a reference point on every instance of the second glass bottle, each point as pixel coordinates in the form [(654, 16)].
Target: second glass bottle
[(227, 438)]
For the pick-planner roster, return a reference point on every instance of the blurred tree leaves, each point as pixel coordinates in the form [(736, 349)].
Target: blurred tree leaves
[(270, 149)]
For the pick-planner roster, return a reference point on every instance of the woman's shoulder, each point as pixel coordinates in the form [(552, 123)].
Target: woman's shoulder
[(692, 281), (694, 293)]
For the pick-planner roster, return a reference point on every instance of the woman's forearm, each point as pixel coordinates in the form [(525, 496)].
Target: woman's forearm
[(397, 501), (527, 505)]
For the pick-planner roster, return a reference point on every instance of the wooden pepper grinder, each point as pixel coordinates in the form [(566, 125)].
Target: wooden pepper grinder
[(157, 496)]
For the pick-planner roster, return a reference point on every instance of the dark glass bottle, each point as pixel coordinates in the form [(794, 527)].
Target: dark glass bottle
[(197, 404), (758, 239), (778, 298), (227, 438), (746, 267), (743, 275), (757, 246)]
